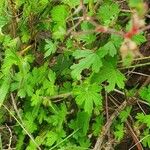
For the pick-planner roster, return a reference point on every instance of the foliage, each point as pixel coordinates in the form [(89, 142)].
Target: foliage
[(59, 62)]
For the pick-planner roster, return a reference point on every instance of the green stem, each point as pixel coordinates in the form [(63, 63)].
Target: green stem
[(64, 95)]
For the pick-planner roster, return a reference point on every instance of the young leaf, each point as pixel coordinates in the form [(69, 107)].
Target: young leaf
[(146, 138), (59, 13), (87, 38), (4, 89), (29, 122), (50, 48), (139, 39), (142, 118), (110, 74), (97, 125), (88, 95), (78, 123), (119, 131), (124, 114), (87, 59), (145, 93), (108, 48), (112, 10)]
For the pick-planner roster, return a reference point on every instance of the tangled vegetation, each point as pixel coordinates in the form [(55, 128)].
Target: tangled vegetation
[(74, 74)]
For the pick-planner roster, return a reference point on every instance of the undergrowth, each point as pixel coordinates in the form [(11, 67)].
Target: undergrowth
[(66, 71)]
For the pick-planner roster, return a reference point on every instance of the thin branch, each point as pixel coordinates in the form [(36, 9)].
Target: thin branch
[(136, 66), (107, 114), (64, 95), (10, 139), (106, 127), (15, 107), (1, 145), (31, 137), (134, 136), (139, 141), (139, 73)]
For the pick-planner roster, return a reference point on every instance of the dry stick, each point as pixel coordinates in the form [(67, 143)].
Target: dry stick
[(1, 146), (14, 20), (72, 28), (134, 136), (10, 139), (139, 141), (107, 114), (107, 30), (22, 127), (15, 107), (145, 28), (22, 52), (105, 129), (97, 4), (141, 108), (138, 73)]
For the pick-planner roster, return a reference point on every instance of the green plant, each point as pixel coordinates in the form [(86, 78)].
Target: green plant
[(62, 65)]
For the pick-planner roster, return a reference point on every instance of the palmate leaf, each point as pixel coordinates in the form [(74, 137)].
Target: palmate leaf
[(146, 138), (145, 93), (89, 59), (87, 38), (119, 131), (78, 123), (110, 74), (108, 48), (59, 15), (88, 95), (50, 48), (142, 118), (112, 10)]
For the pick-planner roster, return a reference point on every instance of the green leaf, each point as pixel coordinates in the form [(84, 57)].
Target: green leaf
[(59, 13), (139, 39), (29, 122), (97, 125), (88, 95), (73, 3), (87, 59), (125, 114), (146, 138), (110, 74), (58, 116), (59, 32), (116, 40), (139, 5), (36, 98), (89, 37), (108, 48), (4, 89), (51, 138), (50, 48), (108, 13), (145, 93), (142, 118), (78, 123), (11, 58), (119, 131)]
